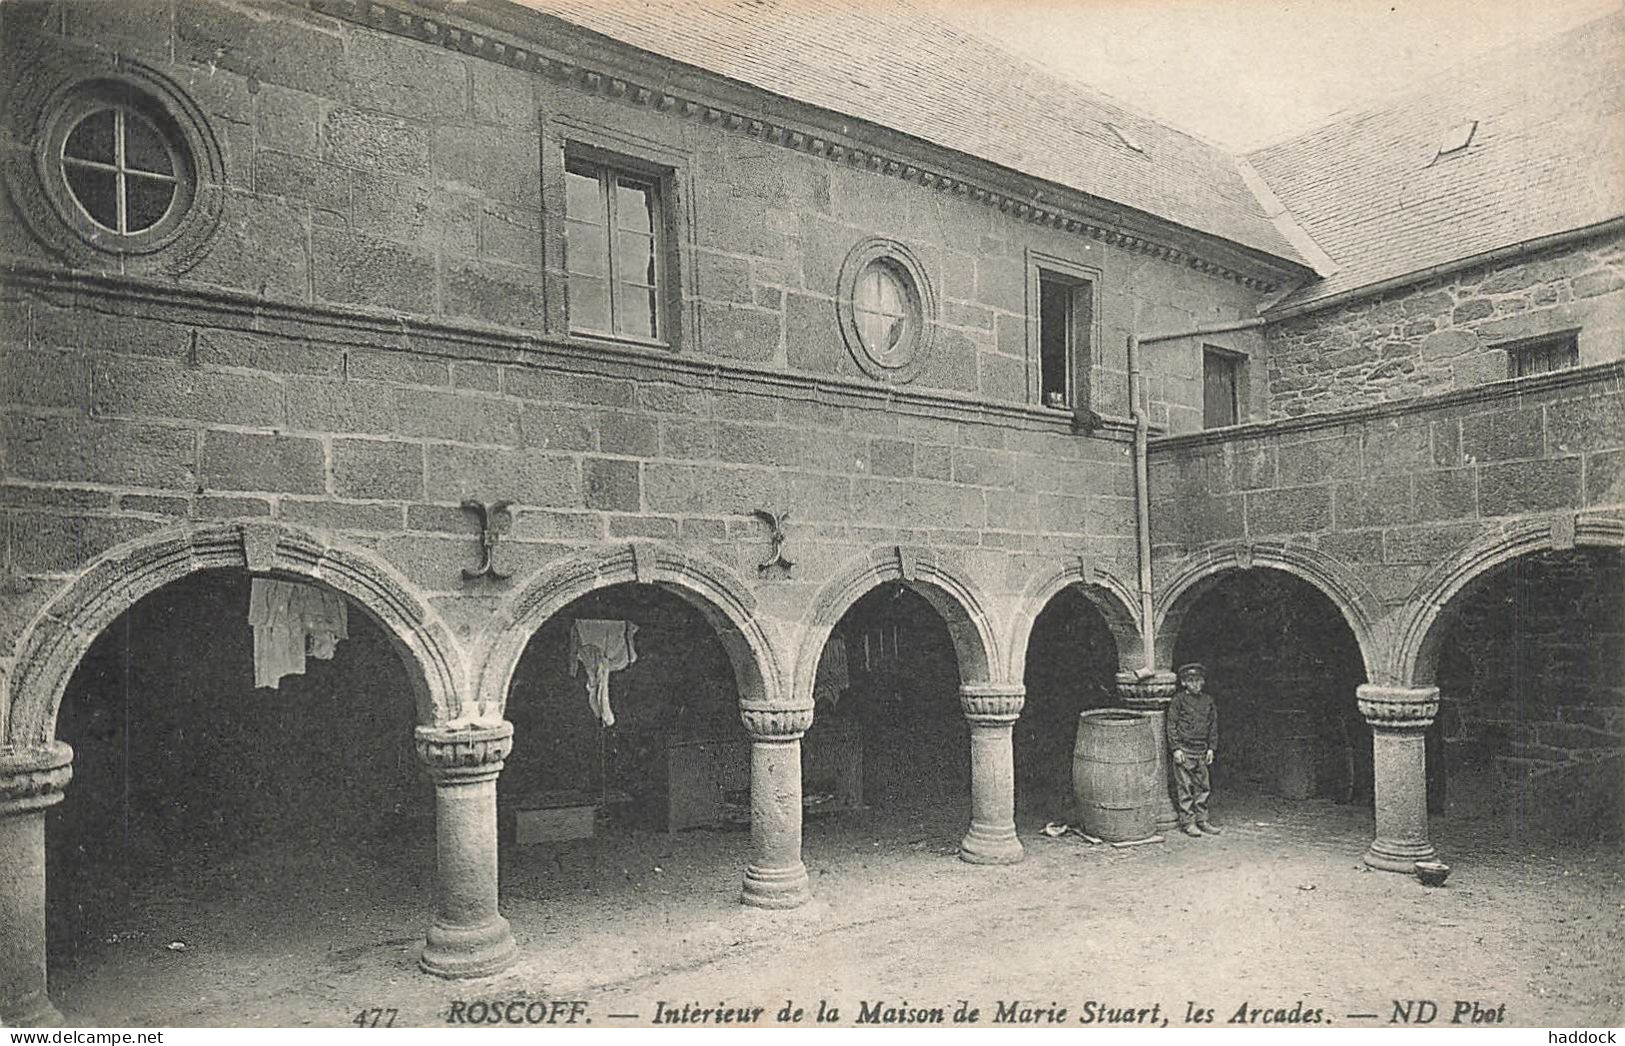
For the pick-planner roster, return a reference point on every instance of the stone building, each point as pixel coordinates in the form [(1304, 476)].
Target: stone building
[(769, 336)]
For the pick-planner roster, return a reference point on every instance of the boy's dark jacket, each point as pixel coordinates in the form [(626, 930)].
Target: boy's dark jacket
[(1193, 723)]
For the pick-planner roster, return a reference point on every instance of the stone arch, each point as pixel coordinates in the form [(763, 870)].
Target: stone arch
[(955, 597), (724, 601), (1415, 649), (56, 640), (1110, 596), (1333, 579)]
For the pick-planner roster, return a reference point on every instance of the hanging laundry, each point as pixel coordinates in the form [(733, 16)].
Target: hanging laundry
[(326, 621), (279, 633), (292, 621), (601, 647), (834, 674)]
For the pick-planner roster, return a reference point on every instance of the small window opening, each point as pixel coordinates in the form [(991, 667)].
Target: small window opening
[(1064, 322), (1221, 383), (1543, 355)]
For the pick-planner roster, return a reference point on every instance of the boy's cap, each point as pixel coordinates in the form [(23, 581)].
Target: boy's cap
[(1193, 668)]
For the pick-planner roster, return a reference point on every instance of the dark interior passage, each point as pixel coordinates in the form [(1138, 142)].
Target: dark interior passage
[(1283, 665), (900, 709), (190, 781), (676, 754), (1531, 676), (1071, 665)]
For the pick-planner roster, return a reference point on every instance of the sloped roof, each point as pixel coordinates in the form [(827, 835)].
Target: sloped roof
[(1374, 192), (902, 67)]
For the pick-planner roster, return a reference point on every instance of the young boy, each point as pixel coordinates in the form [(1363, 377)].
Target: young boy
[(1193, 734)]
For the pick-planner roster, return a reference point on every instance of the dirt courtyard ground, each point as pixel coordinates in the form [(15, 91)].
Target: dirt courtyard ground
[(1275, 913)]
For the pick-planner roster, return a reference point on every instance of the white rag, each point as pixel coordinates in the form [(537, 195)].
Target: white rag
[(291, 620), (325, 620), (279, 634), (601, 647)]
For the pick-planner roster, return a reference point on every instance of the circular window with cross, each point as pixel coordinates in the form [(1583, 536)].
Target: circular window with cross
[(886, 307), (123, 167), (119, 168), (123, 174)]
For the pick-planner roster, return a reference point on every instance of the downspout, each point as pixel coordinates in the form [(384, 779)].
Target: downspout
[(1138, 411), (1140, 414)]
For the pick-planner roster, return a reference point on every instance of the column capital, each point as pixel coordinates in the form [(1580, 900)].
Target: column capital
[(1148, 691), (1398, 707), (471, 754), (34, 778), (992, 704), (776, 724)]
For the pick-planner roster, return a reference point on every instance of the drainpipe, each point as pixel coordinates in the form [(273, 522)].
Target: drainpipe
[(1140, 414), (1138, 411)]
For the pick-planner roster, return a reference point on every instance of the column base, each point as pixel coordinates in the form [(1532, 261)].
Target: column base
[(35, 1012), (991, 846), (461, 952), (1389, 856), (776, 887)]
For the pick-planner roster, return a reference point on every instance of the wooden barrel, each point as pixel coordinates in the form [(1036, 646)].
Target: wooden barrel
[(1114, 773), (1292, 752)]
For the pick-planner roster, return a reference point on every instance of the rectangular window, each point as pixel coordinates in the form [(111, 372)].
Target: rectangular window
[(1539, 355), (1064, 323), (1221, 385), (612, 251)]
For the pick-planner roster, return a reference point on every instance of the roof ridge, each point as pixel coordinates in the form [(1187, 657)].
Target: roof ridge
[(1429, 84), (1292, 230)]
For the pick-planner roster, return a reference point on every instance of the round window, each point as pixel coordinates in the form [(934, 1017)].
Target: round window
[(885, 308), (881, 306), (123, 167), (120, 170)]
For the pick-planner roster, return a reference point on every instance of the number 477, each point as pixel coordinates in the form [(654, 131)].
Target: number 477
[(375, 1018)]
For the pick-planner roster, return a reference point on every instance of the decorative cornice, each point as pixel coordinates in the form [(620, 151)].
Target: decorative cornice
[(463, 756), (776, 724), (34, 778), (992, 704), (571, 70), (1398, 708)]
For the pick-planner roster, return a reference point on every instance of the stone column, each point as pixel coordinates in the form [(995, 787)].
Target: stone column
[(992, 710), (31, 780), (776, 878), (468, 937), (1150, 695), (1399, 718)]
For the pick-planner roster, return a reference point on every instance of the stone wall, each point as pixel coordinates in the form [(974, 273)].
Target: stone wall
[(373, 334), (1531, 675), (1389, 493), (368, 169), (1448, 332), (1534, 658)]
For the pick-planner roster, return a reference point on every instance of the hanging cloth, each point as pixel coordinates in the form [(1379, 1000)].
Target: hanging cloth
[(279, 632), (325, 621), (834, 673), (601, 647)]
